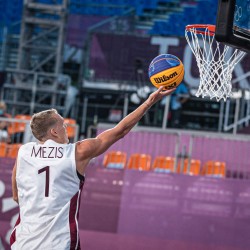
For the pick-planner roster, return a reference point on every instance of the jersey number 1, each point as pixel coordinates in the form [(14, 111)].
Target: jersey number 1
[(46, 169)]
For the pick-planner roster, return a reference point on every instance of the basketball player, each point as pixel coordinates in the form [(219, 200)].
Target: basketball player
[(48, 177)]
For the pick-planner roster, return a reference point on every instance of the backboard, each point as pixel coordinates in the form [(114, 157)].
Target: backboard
[(233, 23)]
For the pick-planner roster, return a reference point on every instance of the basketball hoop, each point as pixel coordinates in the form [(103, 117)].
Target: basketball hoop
[(214, 60)]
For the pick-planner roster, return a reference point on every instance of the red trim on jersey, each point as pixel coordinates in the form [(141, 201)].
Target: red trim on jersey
[(13, 234), (73, 219)]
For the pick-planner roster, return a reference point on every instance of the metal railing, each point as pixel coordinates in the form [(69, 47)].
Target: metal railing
[(34, 91)]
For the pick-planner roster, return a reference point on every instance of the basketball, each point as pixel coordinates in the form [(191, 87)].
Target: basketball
[(166, 70)]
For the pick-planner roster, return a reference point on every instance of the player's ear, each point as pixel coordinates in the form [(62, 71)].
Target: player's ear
[(53, 132)]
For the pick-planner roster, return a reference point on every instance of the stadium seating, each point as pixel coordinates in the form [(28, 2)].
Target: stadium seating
[(163, 164), (71, 130), (193, 169), (11, 11), (139, 162), (166, 17), (12, 150), (18, 127), (214, 169), (115, 159), (3, 149), (9, 150)]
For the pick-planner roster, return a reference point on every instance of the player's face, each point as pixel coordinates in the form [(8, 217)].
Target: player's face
[(62, 131)]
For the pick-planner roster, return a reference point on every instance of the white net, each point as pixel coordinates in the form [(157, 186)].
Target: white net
[(215, 62)]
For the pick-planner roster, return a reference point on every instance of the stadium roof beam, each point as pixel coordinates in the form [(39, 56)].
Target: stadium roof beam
[(46, 7)]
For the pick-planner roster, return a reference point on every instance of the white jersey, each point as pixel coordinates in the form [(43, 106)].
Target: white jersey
[(49, 197)]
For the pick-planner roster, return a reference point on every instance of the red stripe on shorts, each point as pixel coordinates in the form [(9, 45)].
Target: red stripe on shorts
[(73, 219), (13, 234)]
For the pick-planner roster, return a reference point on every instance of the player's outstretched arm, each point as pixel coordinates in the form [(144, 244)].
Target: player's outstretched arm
[(90, 148)]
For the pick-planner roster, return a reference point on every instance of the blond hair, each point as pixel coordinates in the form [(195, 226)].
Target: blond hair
[(41, 122)]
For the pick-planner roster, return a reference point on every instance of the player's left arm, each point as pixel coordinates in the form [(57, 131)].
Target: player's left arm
[(14, 185), (90, 148)]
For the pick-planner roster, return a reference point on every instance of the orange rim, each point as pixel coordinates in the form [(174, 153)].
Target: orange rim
[(205, 29)]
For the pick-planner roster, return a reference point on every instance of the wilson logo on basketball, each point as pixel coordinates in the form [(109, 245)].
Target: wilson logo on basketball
[(165, 78)]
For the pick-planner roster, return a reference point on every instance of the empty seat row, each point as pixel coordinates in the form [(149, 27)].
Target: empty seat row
[(19, 127), (142, 162), (9, 150)]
